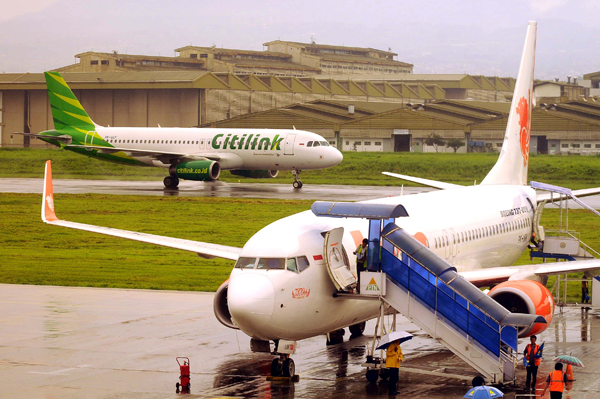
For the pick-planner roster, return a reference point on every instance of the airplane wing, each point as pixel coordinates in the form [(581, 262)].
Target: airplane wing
[(426, 182), (203, 249), (494, 275), (132, 152)]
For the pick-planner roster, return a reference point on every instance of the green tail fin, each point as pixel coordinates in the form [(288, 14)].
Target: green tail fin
[(68, 113)]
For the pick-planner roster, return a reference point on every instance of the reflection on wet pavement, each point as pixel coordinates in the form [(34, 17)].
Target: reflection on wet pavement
[(105, 343)]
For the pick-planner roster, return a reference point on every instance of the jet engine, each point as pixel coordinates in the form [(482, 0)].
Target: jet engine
[(256, 174), (196, 170), (221, 308), (525, 296)]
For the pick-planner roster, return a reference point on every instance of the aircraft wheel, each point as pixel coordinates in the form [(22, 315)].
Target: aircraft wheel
[(297, 184), (276, 368), (336, 337), (289, 368), (357, 329), (372, 376), (171, 182), (478, 381)]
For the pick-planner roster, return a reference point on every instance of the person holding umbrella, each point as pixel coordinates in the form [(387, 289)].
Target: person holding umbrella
[(391, 342)]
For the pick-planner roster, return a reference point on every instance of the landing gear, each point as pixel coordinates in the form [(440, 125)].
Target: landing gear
[(283, 367), (335, 337), (297, 183), (357, 330), (171, 182)]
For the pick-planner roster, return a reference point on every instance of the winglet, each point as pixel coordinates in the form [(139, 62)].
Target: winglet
[(48, 214)]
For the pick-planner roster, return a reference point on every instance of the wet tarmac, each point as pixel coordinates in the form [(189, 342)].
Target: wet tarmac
[(66, 342), (322, 192)]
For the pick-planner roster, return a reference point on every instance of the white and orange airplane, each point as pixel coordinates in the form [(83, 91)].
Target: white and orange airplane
[(281, 290)]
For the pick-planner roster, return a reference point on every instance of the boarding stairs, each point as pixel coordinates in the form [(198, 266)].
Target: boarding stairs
[(428, 291), (561, 243)]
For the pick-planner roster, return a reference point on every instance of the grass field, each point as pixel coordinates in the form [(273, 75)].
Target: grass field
[(358, 168), (36, 253)]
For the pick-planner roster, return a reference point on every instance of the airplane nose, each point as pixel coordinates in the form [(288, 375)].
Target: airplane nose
[(336, 157), (251, 298)]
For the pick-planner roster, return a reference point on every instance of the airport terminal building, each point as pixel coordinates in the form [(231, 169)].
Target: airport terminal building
[(360, 99)]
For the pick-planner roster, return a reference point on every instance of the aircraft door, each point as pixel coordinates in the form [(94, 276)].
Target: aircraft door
[(288, 147), (89, 140), (446, 243), (453, 242), (336, 260)]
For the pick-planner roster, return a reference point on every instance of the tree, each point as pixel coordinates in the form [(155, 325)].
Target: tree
[(455, 144), (435, 140)]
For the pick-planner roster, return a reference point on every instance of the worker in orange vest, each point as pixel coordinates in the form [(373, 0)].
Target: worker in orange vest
[(556, 382), (531, 350), (392, 362)]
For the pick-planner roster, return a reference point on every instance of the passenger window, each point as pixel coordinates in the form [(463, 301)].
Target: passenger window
[(309, 144), (291, 265), (245, 263), (271, 263), (303, 263)]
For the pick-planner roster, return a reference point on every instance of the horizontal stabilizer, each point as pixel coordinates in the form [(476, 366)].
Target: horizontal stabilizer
[(426, 182)]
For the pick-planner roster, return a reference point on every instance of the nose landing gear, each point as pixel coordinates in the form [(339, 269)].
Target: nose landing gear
[(297, 183), (283, 366)]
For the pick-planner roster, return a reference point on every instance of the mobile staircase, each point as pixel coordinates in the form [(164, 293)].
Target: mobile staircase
[(428, 291)]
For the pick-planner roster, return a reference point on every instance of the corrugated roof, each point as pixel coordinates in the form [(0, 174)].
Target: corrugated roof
[(229, 51), (360, 59), (270, 64), (143, 57), (332, 47)]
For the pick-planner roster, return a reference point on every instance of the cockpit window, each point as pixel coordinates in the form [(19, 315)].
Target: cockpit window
[(245, 263), (316, 144), (324, 143), (302, 263), (291, 265), (271, 263), (309, 144)]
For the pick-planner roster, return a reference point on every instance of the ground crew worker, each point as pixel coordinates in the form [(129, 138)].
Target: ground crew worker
[(556, 382), (361, 258), (531, 350), (392, 362), (585, 292)]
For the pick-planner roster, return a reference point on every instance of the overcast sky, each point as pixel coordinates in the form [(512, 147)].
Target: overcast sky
[(438, 36)]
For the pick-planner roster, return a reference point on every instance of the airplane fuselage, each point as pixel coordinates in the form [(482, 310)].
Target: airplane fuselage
[(471, 228), (248, 149)]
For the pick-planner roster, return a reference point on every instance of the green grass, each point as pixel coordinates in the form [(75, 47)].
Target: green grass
[(36, 253), (358, 168)]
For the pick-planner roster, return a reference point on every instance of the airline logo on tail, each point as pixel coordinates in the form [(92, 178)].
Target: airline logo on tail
[(524, 111)]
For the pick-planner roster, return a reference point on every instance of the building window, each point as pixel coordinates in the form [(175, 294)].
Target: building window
[(332, 142), (587, 146), (553, 145), (94, 62), (193, 55), (367, 143), (498, 145), (575, 145), (347, 143), (564, 145), (378, 143), (597, 145), (357, 143), (203, 55), (104, 62)]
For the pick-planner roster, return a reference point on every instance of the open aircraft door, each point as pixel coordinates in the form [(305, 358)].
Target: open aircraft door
[(288, 146), (336, 260)]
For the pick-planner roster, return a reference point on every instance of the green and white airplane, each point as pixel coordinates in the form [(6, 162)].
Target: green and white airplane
[(188, 153)]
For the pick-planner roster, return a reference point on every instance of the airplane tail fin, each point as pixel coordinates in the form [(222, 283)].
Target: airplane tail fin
[(512, 165), (67, 112)]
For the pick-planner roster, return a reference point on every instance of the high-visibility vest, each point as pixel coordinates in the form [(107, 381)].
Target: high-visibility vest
[(531, 356), (361, 257), (557, 381)]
